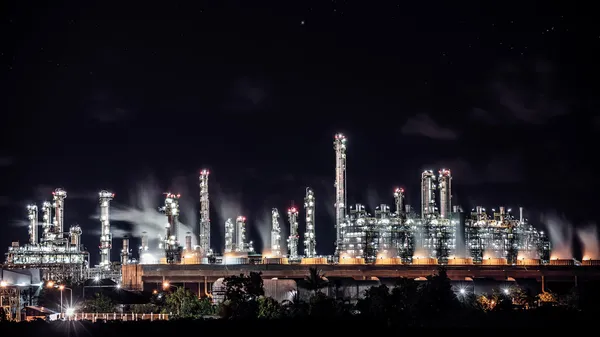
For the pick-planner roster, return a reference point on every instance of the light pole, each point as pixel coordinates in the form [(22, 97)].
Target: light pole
[(62, 287)]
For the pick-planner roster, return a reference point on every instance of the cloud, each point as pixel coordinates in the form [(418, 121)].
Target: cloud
[(424, 125), (498, 169), (522, 94), (6, 161), (103, 107), (248, 95)]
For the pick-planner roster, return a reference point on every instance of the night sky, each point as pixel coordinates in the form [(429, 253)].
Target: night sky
[(138, 99)]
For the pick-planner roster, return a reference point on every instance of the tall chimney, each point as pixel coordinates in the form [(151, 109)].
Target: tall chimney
[(125, 251), (502, 213), (521, 214)]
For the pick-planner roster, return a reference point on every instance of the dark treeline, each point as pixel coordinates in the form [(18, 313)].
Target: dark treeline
[(408, 304)]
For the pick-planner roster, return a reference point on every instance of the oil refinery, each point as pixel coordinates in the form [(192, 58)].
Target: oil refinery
[(398, 236)]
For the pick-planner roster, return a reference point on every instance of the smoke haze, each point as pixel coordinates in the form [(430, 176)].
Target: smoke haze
[(589, 240), (561, 236)]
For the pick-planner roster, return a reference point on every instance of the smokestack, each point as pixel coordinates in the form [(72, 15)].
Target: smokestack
[(407, 209), (455, 209), (188, 241), (521, 214), (479, 210)]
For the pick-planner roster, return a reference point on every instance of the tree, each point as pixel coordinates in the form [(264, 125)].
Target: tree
[(376, 303), (99, 303), (314, 281), (269, 308), (184, 304), (436, 295), (241, 296)]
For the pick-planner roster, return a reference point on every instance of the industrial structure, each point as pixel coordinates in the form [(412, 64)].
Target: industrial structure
[(58, 253), (105, 234), (310, 239), (437, 232), (170, 242), (294, 236), (275, 234), (204, 230)]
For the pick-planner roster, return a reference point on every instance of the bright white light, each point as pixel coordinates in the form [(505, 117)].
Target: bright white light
[(96, 278), (506, 291), (462, 291), (118, 286), (3, 283), (70, 311)]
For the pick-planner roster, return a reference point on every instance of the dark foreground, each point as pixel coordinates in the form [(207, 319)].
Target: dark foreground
[(539, 319)]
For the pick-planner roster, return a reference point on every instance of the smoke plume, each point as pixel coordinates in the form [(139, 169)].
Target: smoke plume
[(588, 236), (561, 236), (142, 213), (263, 226)]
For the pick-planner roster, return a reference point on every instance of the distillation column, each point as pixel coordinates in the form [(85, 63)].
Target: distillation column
[(125, 252), (171, 210), (204, 232), (105, 237), (59, 212), (339, 145), (275, 234), (240, 234), (310, 239), (293, 238), (445, 187), (229, 233), (399, 201), (427, 194), (32, 213), (46, 222)]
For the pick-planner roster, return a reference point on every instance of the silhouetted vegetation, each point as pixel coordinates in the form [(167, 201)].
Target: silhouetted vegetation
[(408, 303)]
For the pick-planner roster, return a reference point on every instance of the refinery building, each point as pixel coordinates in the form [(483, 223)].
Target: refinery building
[(388, 241)]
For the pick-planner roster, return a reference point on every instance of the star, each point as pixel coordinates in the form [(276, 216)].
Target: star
[(302, 22)]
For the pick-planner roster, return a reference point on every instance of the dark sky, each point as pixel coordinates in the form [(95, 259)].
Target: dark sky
[(144, 96)]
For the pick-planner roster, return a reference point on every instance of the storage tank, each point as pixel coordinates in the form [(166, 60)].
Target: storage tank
[(417, 260), (314, 260), (562, 262), (388, 261), (528, 262), (494, 261), (590, 262), (235, 260), (352, 260), (275, 260), (460, 261)]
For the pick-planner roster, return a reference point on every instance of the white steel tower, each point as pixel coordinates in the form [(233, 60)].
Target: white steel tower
[(47, 222), (125, 252), (105, 235), (293, 238), (171, 210), (339, 145), (32, 214), (399, 201), (59, 211), (275, 234), (427, 194), (445, 187), (310, 240), (240, 234), (229, 233), (204, 232)]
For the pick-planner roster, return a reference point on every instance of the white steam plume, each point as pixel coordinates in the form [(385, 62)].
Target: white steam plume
[(589, 240), (263, 226), (187, 204), (143, 213), (227, 205), (561, 236)]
